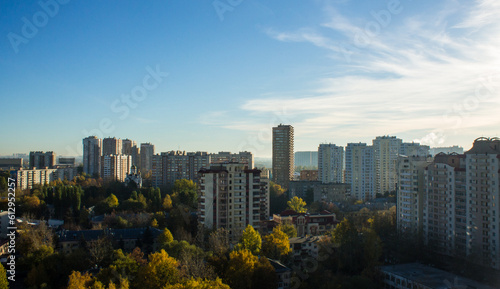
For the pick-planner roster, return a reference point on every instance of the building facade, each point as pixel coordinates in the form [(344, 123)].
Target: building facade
[(115, 167), (11, 163), (331, 192), (385, 155), (147, 153), (330, 163), (27, 179), (308, 175), (414, 149), (225, 157), (92, 151), (306, 159), (460, 205), (232, 197), (111, 146), (283, 155), (359, 170), (42, 160), (411, 191)]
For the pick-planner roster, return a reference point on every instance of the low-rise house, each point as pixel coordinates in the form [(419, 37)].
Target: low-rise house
[(283, 274), (125, 239), (306, 224), (304, 247)]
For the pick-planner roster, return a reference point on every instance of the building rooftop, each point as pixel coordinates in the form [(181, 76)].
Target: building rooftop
[(280, 268), (307, 239), (432, 277)]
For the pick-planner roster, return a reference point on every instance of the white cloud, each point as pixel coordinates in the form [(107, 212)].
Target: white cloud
[(422, 75), (433, 78)]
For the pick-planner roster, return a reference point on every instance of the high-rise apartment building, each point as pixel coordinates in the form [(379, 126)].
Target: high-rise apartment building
[(414, 149), (459, 206), (226, 157), (385, 155), (232, 197), (115, 167), (283, 157), (411, 191), (482, 200), (157, 171), (111, 146), (127, 146), (42, 160), (445, 214), (27, 179), (330, 163), (147, 152), (170, 166), (306, 159), (92, 151), (67, 161), (359, 170)]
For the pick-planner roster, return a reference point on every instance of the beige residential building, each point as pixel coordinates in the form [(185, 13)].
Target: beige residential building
[(411, 191), (227, 157), (444, 205), (482, 183), (461, 204), (385, 156), (111, 146), (115, 167), (330, 163), (27, 179), (232, 197), (283, 155)]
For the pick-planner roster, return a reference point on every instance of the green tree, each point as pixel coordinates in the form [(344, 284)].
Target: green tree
[(276, 245), (165, 237), (78, 280), (185, 192), (250, 240), (161, 270), (264, 275), (112, 201), (167, 203), (240, 269), (199, 284), (277, 198), (4, 284), (218, 242), (297, 204), (289, 230), (350, 252)]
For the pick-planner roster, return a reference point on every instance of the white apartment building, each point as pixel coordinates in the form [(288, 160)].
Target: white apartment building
[(330, 163), (359, 170)]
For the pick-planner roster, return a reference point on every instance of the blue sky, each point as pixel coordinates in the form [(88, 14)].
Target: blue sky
[(338, 71)]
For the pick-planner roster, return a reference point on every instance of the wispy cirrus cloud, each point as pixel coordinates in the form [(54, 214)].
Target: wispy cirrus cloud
[(418, 77)]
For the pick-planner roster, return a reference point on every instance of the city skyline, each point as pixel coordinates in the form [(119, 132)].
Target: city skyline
[(337, 71)]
